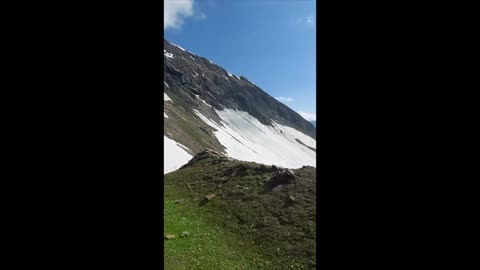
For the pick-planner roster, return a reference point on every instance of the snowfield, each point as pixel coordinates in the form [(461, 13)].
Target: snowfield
[(175, 155), (245, 138)]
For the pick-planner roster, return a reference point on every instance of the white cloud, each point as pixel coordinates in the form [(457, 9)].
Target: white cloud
[(310, 20), (308, 116), (176, 11), (285, 99)]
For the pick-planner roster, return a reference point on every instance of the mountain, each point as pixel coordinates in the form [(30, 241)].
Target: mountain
[(314, 123), (228, 194), (205, 106)]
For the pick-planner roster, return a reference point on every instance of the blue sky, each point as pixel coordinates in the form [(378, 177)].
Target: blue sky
[(270, 42)]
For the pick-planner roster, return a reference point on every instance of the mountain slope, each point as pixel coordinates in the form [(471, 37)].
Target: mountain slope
[(271, 211), (207, 107)]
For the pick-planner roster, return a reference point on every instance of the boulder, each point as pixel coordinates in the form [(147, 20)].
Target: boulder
[(210, 197), (178, 201), (169, 236)]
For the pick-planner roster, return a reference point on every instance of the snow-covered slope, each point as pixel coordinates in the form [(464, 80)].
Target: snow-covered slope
[(166, 97), (175, 155), (245, 138)]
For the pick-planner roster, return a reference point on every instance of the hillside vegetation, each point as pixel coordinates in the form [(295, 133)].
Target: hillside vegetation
[(239, 215)]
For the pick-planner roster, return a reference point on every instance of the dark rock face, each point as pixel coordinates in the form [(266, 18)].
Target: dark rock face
[(279, 179), (188, 75)]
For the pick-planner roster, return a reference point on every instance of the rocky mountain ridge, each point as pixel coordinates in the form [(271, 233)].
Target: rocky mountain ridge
[(207, 107), (220, 89)]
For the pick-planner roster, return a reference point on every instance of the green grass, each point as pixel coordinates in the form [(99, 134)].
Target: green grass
[(226, 233), (207, 246)]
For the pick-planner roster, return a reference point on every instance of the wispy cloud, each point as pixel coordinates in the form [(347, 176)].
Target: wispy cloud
[(285, 99), (308, 116), (176, 11), (200, 16), (308, 21)]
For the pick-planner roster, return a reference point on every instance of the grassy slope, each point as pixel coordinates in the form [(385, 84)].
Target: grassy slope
[(230, 231), (207, 246)]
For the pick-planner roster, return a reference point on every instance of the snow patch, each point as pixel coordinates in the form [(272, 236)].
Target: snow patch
[(166, 97), (203, 101), (175, 155), (233, 75), (246, 138), (165, 115), (167, 54), (178, 47), (166, 84), (192, 58)]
